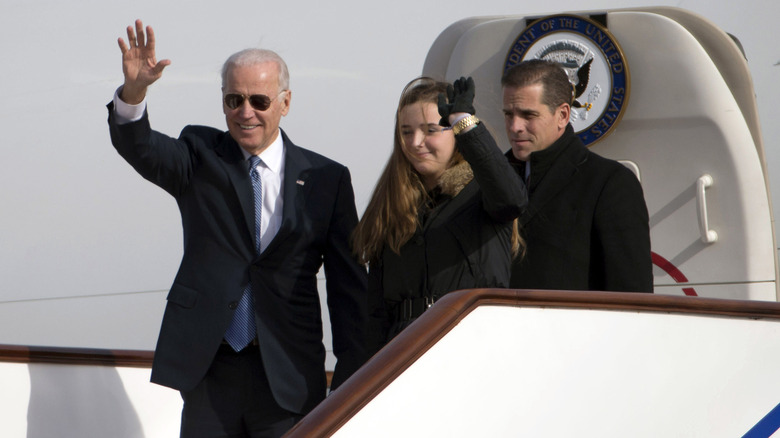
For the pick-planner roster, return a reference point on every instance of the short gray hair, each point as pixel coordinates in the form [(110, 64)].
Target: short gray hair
[(249, 57)]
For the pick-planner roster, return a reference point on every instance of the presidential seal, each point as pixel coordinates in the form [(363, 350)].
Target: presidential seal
[(591, 57)]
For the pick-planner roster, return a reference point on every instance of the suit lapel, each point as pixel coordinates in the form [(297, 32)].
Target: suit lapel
[(296, 185), (237, 169)]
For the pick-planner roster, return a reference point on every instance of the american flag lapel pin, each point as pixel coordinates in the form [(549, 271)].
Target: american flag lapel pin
[(299, 182)]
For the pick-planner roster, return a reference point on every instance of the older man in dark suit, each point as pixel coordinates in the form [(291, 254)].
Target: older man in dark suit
[(241, 337), (586, 225)]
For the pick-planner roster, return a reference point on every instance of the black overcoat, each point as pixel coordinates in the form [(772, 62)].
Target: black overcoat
[(586, 226)]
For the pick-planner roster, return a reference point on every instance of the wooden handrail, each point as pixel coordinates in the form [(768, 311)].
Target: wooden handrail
[(83, 356), (415, 340), (76, 356)]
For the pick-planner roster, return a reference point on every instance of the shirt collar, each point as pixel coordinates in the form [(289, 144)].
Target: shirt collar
[(272, 155)]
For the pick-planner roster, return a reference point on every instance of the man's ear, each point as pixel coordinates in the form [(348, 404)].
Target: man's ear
[(563, 114), (286, 102)]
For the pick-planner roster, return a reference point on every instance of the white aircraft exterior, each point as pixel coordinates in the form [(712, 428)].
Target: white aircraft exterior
[(669, 95), (88, 248)]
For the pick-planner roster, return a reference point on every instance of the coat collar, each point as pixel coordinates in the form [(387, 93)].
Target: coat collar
[(454, 179), (453, 182), (561, 161)]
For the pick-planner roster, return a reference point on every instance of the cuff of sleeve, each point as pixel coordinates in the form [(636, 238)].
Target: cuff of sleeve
[(459, 118), (126, 113)]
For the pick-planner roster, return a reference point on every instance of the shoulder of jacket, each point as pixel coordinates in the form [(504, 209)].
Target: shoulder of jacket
[(315, 158), (204, 132)]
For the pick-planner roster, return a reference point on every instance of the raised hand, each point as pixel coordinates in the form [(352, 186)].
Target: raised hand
[(139, 63), (460, 96)]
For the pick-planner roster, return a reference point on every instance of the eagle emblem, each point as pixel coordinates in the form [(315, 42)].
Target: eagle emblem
[(593, 62)]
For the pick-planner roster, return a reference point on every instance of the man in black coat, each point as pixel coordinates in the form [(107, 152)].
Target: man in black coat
[(241, 336), (586, 226)]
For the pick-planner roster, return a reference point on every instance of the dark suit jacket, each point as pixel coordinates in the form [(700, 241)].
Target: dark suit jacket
[(586, 226), (206, 172)]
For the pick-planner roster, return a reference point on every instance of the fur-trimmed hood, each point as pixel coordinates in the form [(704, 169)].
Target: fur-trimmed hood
[(454, 179)]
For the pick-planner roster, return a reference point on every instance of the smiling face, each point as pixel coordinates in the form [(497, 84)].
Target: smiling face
[(530, 124), (426, 145), (252, 129)]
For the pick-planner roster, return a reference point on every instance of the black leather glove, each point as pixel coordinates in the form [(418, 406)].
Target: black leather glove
[(460, 97)]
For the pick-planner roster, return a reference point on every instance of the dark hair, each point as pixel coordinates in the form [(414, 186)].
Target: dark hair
[(556, 88)]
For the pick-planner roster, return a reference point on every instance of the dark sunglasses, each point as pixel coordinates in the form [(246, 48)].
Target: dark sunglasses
[(260, 102)]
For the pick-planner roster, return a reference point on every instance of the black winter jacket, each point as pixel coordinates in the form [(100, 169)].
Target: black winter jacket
[(464, 240)]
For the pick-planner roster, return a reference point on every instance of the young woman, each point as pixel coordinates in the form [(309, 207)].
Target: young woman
[(443, 214)]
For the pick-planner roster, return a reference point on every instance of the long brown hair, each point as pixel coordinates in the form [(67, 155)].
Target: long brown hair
[(391, 217)]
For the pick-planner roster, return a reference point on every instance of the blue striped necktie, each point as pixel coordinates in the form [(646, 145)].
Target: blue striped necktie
[(242, 329)]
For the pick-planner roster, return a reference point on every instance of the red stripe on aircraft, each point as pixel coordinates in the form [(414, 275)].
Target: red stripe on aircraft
[(673, 272)]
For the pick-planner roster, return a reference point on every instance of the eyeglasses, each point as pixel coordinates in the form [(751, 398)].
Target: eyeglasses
[(260, 102), (430, 129)]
